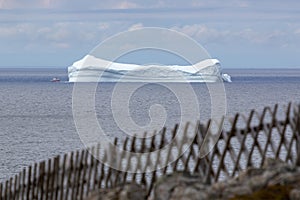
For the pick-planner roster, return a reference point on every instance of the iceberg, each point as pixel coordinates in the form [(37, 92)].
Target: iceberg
[(92, 69), (226, 78)]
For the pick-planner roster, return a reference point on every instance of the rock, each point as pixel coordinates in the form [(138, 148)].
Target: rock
[(256, 183), (230, 192), (271, 162), (130, 191), (184, 192), (217, 190), (275, 180), (295, 194), (180, 186), (248, 173)]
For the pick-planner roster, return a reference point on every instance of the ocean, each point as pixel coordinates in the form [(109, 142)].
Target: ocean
[(36, 119)]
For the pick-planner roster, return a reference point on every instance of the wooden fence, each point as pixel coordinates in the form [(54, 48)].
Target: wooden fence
[(247, 142)]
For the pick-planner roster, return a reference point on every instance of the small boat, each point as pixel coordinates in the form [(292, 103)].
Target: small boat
[(55, 79)]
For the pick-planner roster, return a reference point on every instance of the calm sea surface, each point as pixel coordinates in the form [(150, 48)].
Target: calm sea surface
[(36, 120)]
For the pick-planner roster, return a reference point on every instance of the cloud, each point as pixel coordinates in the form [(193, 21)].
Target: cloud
[(259, 37), (19, 30), (204, 34), (28, 4), (58, 35), (61, 35), (125, 5), (67, 4), (62, 45), (130, 4), (40, 25), (135, 26), (89, 34), (297, 31), (157, 11), (7, 32)]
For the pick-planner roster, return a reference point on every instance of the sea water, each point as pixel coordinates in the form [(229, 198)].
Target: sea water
[(36, 119)]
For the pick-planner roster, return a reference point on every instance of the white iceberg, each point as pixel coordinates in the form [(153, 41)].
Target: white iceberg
[(92, 69), (226, 78)]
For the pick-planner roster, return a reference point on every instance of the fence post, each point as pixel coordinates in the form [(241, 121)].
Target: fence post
[(298, 135)]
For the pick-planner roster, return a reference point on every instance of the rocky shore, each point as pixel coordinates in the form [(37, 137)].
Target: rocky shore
[(275, 180)]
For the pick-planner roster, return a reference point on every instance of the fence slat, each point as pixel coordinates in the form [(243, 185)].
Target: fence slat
[(16, 187), (23, 183), (10, 188), (84, 181), (91, 157), (52, 179), (28, 183), (297, 119), (41, 180), (56, 177), (49, 176), (62, 180), (70, 171), (74, 182), (80, 167), (6, 191), (34, 175), (95, 181), (1, 186)]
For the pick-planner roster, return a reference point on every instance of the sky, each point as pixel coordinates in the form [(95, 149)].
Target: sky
[(240, 33)]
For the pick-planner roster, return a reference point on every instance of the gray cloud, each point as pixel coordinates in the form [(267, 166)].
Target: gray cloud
[(76, 26), (129, 4), (110, 4)]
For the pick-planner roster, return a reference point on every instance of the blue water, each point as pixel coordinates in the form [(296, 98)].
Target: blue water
[(36, 120)]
